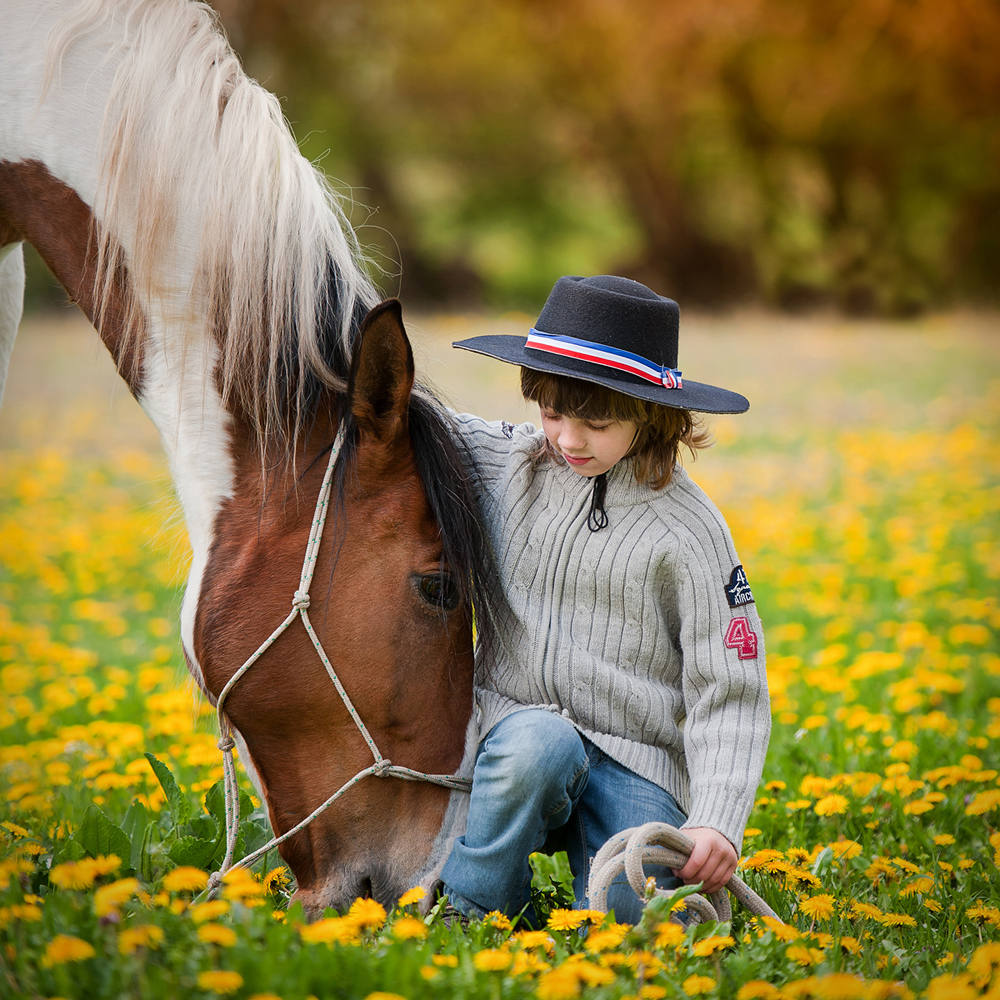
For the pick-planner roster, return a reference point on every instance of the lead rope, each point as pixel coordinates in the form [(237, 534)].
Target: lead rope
[(662, 844), (381, 768)]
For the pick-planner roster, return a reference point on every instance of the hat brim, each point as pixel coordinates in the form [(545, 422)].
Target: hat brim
[(693, 396)]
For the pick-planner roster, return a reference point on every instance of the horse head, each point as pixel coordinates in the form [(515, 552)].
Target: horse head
[(390, 612)]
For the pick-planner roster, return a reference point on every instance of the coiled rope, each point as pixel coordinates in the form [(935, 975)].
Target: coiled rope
[(662, 844), (380, 768)]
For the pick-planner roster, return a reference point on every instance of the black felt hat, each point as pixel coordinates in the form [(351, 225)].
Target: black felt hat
[(614, 332)]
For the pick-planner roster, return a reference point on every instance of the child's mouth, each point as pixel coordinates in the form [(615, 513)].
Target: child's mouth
[(575, 461)]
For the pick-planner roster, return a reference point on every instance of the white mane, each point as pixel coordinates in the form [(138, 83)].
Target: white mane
[(226, 227)]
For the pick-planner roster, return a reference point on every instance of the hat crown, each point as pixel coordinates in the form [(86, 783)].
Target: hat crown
[(616, 312)]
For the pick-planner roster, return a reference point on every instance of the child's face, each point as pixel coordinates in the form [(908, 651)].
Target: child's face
[(590, 447)]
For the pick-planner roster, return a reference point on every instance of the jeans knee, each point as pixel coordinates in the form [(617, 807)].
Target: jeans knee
[(534, 753)]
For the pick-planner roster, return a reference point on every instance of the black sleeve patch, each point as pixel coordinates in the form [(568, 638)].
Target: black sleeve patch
[(738, 592)]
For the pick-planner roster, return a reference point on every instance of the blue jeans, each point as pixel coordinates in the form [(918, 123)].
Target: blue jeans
[(539, 784)]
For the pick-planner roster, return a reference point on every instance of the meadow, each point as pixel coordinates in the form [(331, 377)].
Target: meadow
[(863, 493)]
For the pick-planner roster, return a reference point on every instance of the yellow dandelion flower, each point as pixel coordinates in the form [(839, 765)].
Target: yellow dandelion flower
[(839, 986), (367, 913), (72, 875), (220, 981), (918, 885), (498, 920), (565, 920), (239, 884), (933, 905), (103, 864), (831, 805), (428, 971), (898, 920), (534, 939), (950, 987), (859, 909), (209, 911), (599, 939), (143, 936), (850, 944), (407, 928), (592, 975), (185, 879), (668, 935), (712, 944), (109, 898), (413, 895), (818, 907), (944, 840), (338, 930), (696, 986), (845, 850), (492, 960), (983, 802), (382, 995), (527, 963), (782, 931), (264, 996), (445, 961), (803, 955), (64, 948), (557, 984), (762, 859), (217, 934), (984, 914)]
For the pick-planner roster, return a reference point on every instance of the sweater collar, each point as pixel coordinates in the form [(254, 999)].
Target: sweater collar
[(623, 490)]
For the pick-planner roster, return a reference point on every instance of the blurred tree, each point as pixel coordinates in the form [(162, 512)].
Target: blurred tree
[(718, 149), (802, 152)]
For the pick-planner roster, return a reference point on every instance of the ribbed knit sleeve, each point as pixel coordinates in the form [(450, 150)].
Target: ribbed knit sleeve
[(724, 683)]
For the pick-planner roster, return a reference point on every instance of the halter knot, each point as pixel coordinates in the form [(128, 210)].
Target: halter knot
[(226, 743), (382, 767), (300, 601)]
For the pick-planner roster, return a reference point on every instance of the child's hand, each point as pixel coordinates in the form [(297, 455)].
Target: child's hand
[(712, 861)]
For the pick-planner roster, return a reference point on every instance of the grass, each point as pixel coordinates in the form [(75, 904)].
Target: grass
[(863, 499)]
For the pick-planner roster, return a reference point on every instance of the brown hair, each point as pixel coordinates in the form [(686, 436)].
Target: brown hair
[(661, 429)]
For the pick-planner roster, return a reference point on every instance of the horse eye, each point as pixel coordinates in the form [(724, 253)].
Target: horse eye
[(439, 590)]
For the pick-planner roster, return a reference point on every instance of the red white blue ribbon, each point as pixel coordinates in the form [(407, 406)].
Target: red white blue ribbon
[(608, 357)]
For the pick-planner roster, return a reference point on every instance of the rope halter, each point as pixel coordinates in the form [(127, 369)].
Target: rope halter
[(380, 768)]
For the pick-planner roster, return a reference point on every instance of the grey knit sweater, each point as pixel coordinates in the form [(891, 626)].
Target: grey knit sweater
[(643, 634)]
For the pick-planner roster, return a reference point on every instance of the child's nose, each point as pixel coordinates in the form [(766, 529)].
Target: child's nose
[(571, 436)]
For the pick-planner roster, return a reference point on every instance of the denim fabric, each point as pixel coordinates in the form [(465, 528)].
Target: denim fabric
[(539, 784)]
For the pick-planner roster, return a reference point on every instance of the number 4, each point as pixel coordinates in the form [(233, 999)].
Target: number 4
[(741, 637)]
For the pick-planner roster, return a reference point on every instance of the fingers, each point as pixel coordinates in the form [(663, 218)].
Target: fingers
[(712, 862)]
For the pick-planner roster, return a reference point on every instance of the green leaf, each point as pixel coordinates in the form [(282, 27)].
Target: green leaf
[(134, 827), (179, 805), (98, 835), (215, 803), (192, 851), (145, 866), (551, 883)]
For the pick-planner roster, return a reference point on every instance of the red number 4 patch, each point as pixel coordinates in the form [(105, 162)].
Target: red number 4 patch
[(741, 637)]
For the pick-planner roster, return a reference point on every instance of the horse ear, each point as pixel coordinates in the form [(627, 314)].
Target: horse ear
[(381, 373)]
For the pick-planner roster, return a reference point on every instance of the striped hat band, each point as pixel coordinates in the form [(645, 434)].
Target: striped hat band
[(607, 357)]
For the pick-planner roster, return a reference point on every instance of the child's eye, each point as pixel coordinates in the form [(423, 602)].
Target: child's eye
[(598, 427)]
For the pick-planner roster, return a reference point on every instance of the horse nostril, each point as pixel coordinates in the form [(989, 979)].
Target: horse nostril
[(365, 890)]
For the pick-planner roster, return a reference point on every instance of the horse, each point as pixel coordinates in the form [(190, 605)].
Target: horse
[(164, 189)]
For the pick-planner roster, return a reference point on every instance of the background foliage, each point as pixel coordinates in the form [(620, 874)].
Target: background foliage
[(785, 151), (799, 152)]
